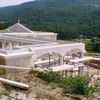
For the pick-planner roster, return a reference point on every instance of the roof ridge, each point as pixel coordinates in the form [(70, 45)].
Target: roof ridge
[(14, 27)]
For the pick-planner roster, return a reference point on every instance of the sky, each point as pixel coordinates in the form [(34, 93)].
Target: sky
[(4, 3)]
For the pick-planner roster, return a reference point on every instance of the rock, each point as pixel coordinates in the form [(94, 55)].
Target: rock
[(5, 97), (1, 87), (96, 95), (1, 84)]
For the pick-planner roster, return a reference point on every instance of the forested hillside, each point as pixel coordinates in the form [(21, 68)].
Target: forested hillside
[(69, 18)]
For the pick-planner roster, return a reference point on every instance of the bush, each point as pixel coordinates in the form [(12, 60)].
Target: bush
[(77, 85), (2, 71), (49, 76), (73, 85)]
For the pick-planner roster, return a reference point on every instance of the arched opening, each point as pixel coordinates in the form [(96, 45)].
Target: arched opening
[(48, 59), (72, 54)]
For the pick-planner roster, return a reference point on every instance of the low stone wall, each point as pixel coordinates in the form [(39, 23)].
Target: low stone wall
[(11, 69), (22, 61)]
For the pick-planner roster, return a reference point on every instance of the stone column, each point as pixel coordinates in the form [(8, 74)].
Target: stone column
[(82, 54), (10, 45), (61, 60), (81, 71), (32, 62), (50, 55), (3, 45)]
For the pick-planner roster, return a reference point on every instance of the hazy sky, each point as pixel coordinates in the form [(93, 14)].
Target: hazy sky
[(12, 2)]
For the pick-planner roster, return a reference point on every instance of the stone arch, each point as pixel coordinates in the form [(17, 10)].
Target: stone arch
[(73, 51), (46, 55), (71, 54), (49, 59)]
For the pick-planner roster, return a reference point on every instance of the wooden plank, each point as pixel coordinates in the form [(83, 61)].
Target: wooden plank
[(14, 83)]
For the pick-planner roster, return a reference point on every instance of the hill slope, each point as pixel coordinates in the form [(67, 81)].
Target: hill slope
[(69, 18)]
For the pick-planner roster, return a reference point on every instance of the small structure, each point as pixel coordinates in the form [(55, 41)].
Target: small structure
[(20, 30)]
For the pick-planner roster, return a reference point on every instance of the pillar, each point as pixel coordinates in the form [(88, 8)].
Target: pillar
[(82, 54), (65, 72), (10, 45), (50, 55), (81, 70), (3, 45), (32, 62), (61, 60), (71, 72)]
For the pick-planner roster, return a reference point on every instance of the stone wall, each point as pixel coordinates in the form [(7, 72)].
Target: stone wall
[(59, 49), (47, 37), (2, 61), (20, 61)]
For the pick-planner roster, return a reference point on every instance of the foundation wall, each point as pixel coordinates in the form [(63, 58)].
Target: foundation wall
[(20, 61), (2, 61)]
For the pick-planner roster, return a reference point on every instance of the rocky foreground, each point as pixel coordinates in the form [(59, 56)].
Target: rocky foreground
[(39, 89)]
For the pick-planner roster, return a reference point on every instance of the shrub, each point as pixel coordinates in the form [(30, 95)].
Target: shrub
[(73, 85), (49, 76), (2, 71), (77, 85)]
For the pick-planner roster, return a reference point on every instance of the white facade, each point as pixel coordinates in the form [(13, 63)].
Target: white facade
[(22, 49)]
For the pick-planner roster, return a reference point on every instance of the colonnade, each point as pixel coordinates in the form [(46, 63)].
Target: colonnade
[(8, 45), (60, 59)]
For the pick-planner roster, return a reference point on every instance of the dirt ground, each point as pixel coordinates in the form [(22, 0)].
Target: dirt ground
[(39, 89)]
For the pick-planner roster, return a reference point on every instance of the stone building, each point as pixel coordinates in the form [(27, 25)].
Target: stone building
[(19, 46)]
